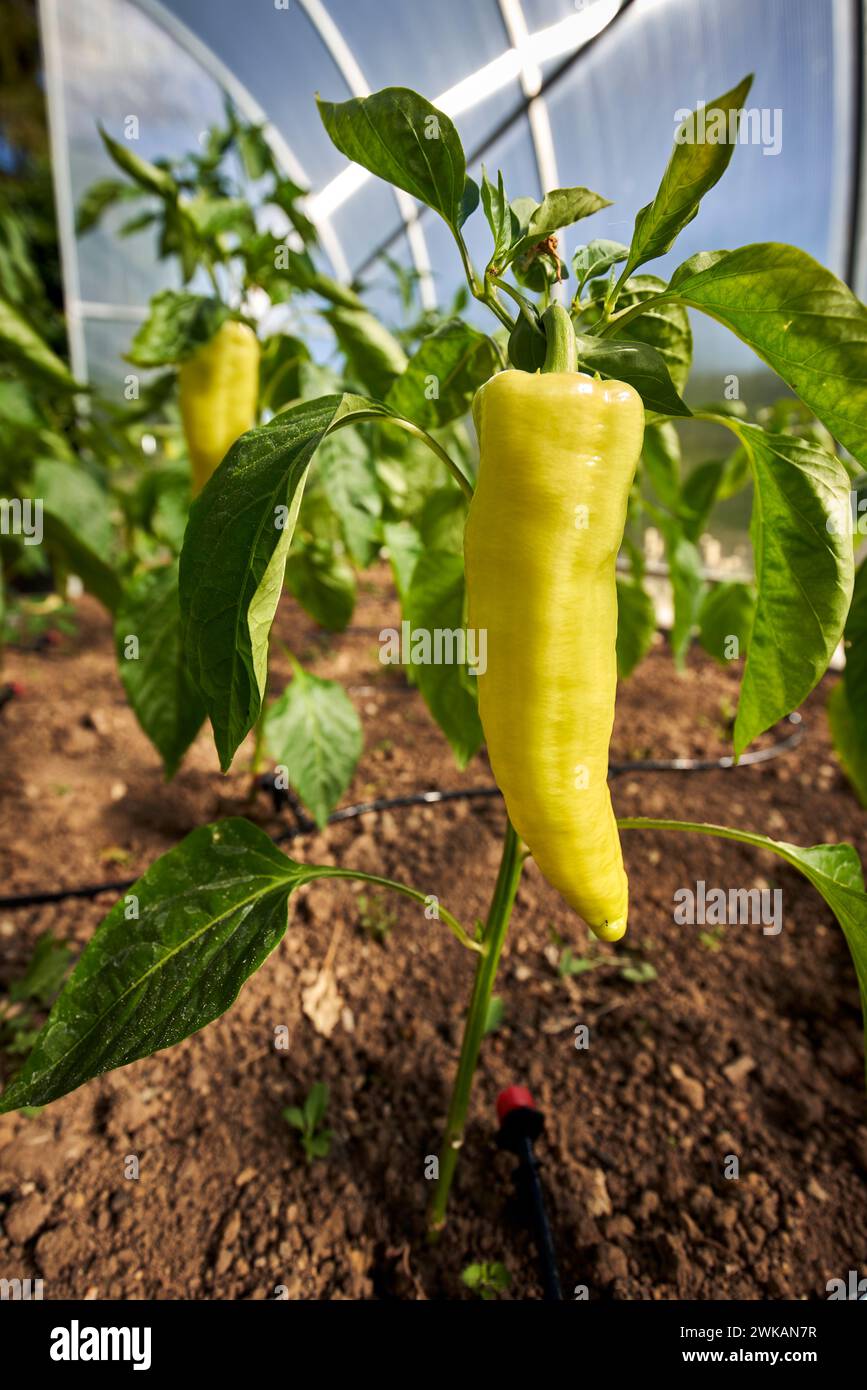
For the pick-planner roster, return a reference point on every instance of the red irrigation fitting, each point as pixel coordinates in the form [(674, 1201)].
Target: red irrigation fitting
[(521, 1123)]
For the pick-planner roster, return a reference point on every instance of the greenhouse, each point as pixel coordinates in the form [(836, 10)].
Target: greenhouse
[(433, 624)]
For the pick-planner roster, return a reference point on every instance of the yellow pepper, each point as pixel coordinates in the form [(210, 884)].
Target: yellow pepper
[(558, 455), (219, 394)]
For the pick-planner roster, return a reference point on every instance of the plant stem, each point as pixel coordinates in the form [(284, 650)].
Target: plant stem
[(482, 292), (493, 937), (618, 321), (561, 352), (460, 478), (258, 751), (454, 926)]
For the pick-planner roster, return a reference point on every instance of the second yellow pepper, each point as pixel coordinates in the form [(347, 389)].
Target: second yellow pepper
[(219, 392)]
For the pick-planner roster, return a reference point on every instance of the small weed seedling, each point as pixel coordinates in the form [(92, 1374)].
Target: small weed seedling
[(33, 993), (308, 1118), (375, 916), (487, 1279)]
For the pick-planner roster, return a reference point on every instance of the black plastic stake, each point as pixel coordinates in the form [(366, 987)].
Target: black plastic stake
[(520, 1124)]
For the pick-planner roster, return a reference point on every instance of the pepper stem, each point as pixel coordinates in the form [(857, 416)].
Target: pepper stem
[(494, 935), (561, 353)]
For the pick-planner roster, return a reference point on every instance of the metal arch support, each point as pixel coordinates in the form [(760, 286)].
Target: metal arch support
[(531, 85), (331, 36)]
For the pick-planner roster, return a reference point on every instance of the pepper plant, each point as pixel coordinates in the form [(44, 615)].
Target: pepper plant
[(229, 349), (558, 450)]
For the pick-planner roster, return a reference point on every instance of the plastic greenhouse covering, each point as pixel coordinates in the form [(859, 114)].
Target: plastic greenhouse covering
[(551, 91)]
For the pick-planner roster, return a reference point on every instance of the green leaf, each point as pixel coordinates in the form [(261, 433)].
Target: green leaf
[(834, 871), (850, 739), (98, 198), (209, 913), (319, 1145), (323, 582), (639, 365), (255, 152), (664, 326), (660, 456), (728, 611), (286, 195), (179, 238), (688, 586), (294, 1116), (279, 372), (299, 269), (695, 165), (44, 975), (443, 375), (443, 519), (347, 473), (435, 600), (178, 324), (161, 504), (804, 576), (315, 1106), (800, 319), (235, 552), (77, 524), (847, 708), (636, 625), (698, 495), (374, 355), (402, 138), (71, 494), (856, 645), (559, 208), (595, 259), (314, 731), (405, 546), (213, 216), (22, 346), (470, 200), (17, 408), (146, 175), (501, 219), (642, 973), (161, 694), (234, 558)]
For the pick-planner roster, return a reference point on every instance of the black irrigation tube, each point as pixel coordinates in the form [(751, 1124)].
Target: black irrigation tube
[(304, 826)]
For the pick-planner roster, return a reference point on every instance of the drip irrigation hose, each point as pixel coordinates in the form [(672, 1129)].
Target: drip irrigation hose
[(304, 826)]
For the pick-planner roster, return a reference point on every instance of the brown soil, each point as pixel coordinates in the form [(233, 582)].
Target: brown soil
[(639, 1125)]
